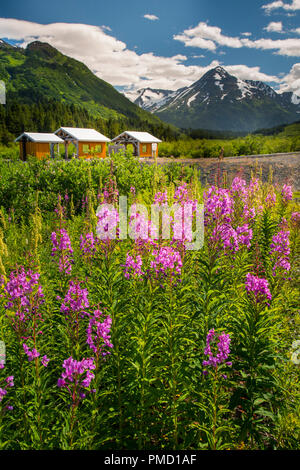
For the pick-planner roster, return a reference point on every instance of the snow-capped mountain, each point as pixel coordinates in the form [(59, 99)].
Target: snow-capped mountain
[(151, 99), (220, 101)]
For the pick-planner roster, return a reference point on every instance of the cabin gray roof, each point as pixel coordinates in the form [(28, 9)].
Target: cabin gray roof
[(40, 137), (83, 135)]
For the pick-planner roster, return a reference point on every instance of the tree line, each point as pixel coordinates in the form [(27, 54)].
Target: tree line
[(47, 116)]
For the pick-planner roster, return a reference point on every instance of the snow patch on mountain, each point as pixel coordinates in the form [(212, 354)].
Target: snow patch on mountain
[(295, 99), (191, 99), (244, 89)]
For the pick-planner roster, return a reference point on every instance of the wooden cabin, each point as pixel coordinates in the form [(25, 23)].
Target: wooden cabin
[(40, 145), (144, 144), (88, 143)]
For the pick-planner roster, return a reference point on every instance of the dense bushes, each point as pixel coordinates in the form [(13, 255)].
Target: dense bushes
[(250, 145), (21, 183)]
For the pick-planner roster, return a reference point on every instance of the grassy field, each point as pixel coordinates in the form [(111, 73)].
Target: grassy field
[(141, 343)]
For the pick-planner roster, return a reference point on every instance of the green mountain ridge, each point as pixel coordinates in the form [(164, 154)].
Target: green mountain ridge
[(40, 74)]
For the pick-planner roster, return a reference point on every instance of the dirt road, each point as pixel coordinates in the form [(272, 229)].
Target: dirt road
[(284, 166)]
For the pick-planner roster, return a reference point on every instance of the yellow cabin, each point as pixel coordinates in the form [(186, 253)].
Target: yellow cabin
[(88, 143), (39, 145), (144, 144)]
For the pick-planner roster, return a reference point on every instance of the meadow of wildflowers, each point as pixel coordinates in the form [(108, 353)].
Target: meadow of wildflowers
[(139, 343)]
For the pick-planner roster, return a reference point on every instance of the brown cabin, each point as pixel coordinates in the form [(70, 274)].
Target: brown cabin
[(89, 143), (39, 145), (144, 144)]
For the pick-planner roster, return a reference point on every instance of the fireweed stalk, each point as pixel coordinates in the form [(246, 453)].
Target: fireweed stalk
[(142, 327), (166, 269), (217, 349), (5, 384), (109, 279), (5, 406), (61, 246), (76, 381), (280, 252), (107, 229), (295, 236), (24, 297), (75, 307), (98, 338), (258, 288), (255, 350), (61, 243)]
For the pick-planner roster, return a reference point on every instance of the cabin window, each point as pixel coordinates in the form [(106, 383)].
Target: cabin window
[(144, 148), (85, 148), (98, 148)]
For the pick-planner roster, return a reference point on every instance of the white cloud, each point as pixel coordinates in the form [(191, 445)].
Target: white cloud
[(112, 61), (151, 17), (291, 81), (250, 73), (106, 56), (274, 27), (247, 34), (287, 47), (295, 5), (208, 37)]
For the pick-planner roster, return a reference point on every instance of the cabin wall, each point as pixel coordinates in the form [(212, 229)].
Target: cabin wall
[(146, 150), (89, 150), (38, 150)]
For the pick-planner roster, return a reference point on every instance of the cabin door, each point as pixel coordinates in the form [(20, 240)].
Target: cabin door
[(24, 152)]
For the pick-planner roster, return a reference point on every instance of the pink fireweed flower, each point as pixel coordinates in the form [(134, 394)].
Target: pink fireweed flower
[(238, 187), (34, 354), (10, 381), (61, 245), (138, 225), (218, 205), (254, 185), (111, 193), (30, 354), (23, 295), (259, 287), (88, 244), (227, 238), (20, 287), (167, 262), (161, 198), (221, 348), (181, 193), (249, 214), (286, 193), (4, 385), (244, 235), (77, 377), (108, 220), (133, 267), (280, 250), (98, 334), (270, 200), (45, 360), (76, 300), (295, 218)]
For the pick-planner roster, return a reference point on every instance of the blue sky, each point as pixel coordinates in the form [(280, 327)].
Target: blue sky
[(166, 43)]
